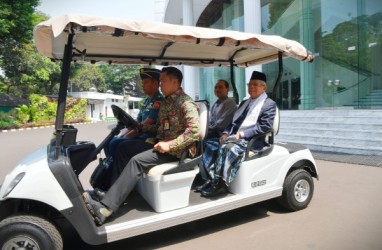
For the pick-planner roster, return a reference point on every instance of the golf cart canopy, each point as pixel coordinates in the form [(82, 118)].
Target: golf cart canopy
[(95, 39), (141, 42)]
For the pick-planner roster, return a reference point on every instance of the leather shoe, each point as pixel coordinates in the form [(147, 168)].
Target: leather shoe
[(204, 186), (215, 190), (96, 194), (97, 209)]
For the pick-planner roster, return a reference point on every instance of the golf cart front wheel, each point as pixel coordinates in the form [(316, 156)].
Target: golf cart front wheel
[(297, 191), (29, 232)]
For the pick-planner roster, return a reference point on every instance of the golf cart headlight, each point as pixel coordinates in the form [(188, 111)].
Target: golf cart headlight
[(14, 183)]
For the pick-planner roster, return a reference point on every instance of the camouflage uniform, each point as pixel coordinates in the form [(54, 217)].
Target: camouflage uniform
[(178, 122)]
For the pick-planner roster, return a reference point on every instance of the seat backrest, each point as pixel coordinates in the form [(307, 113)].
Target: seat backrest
[(276, 122), (185, 163), (275, 127), (203, 119), (249, 154)]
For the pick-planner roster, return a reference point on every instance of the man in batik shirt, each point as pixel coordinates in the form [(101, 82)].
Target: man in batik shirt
[(177, 127)]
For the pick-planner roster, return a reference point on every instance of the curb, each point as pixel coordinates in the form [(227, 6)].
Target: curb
[(41, 127)]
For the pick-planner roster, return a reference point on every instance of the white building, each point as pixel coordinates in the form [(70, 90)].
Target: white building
[(99, 104)]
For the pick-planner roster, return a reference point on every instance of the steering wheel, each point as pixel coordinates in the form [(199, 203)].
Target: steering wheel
[(124, 117)]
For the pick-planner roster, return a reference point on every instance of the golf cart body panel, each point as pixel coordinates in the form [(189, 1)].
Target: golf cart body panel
[(51, 174), (38, 182)]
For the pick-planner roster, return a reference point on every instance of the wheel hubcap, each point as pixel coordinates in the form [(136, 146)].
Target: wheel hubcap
[(21, 243), (301, 190)]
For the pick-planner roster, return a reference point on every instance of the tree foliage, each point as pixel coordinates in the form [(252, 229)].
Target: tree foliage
[(24, 71), (123, 79), (349, 45), (86, 76), (276, 9), (17, 20), (29, 72)]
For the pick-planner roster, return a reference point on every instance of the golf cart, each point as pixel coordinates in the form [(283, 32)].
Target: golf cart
[(44, 188)]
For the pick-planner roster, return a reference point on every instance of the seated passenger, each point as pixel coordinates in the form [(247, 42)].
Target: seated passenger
[(133, 142), (148, 114), (221, 114), (177, 128), (222, 159), (222, 110)]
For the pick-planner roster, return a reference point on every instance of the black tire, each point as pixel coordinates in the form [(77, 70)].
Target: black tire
[(29, 232), (297, 190)]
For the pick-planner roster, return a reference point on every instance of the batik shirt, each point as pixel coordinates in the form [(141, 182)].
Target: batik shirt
[(150, 110), (178, 122)]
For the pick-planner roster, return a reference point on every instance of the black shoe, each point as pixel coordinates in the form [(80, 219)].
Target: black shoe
[(204, 186), (96, 194), (94, 208), (215, 190)]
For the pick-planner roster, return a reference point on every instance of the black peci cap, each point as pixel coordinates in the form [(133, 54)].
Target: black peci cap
[(256, 75)]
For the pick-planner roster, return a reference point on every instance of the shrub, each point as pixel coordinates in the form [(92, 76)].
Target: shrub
[(76, 109), (42, 112), (8, 121), (41, 108), (23, 113)]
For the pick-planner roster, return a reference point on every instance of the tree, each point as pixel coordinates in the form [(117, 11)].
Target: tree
[(276, 9), (30, 72), (17, 20), (337, 45), (24, 70), (123, 79), (86, 76)]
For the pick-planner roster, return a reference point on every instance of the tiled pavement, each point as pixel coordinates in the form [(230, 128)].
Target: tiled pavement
[(369, 160)]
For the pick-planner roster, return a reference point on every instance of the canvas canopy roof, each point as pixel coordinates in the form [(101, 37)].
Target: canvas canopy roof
[(141, 42)]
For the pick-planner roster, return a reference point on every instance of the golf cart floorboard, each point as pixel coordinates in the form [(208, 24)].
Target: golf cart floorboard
[(136, 207), (137, 217)]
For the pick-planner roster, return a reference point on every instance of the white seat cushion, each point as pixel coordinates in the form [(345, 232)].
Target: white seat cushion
[(160, 169)]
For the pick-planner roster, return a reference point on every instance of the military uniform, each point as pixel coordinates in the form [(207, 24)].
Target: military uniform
[(123, 149)]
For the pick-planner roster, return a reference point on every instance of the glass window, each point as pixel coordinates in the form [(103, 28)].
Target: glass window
[(346, 37), (226, 15)]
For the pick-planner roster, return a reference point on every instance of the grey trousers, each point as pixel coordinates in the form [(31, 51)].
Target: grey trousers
[(139, 164)]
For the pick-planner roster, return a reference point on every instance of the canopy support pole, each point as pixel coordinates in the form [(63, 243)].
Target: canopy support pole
[(235, 94), (279, 75), (63, 92)]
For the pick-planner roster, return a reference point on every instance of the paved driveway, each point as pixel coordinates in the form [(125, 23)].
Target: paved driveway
[(344, 213)]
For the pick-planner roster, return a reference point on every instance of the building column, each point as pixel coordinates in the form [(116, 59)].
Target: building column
[(190, 74), (252, 24), (307, 69)]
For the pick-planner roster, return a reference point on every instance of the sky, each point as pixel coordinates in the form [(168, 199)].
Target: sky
[(125, 9)]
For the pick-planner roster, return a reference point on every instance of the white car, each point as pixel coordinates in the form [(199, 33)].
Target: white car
[(44, 189)]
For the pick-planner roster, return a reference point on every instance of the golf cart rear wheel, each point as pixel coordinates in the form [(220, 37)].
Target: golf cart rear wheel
[(29, 232), (297, 191)]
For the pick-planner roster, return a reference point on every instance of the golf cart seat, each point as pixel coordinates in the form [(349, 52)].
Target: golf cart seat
[(167, 186), (255, 162)]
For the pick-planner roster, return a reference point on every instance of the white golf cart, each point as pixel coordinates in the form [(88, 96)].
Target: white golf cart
[(44, 189)]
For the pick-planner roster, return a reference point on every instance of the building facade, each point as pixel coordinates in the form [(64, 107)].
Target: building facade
[(99, 104), (344, 35)]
